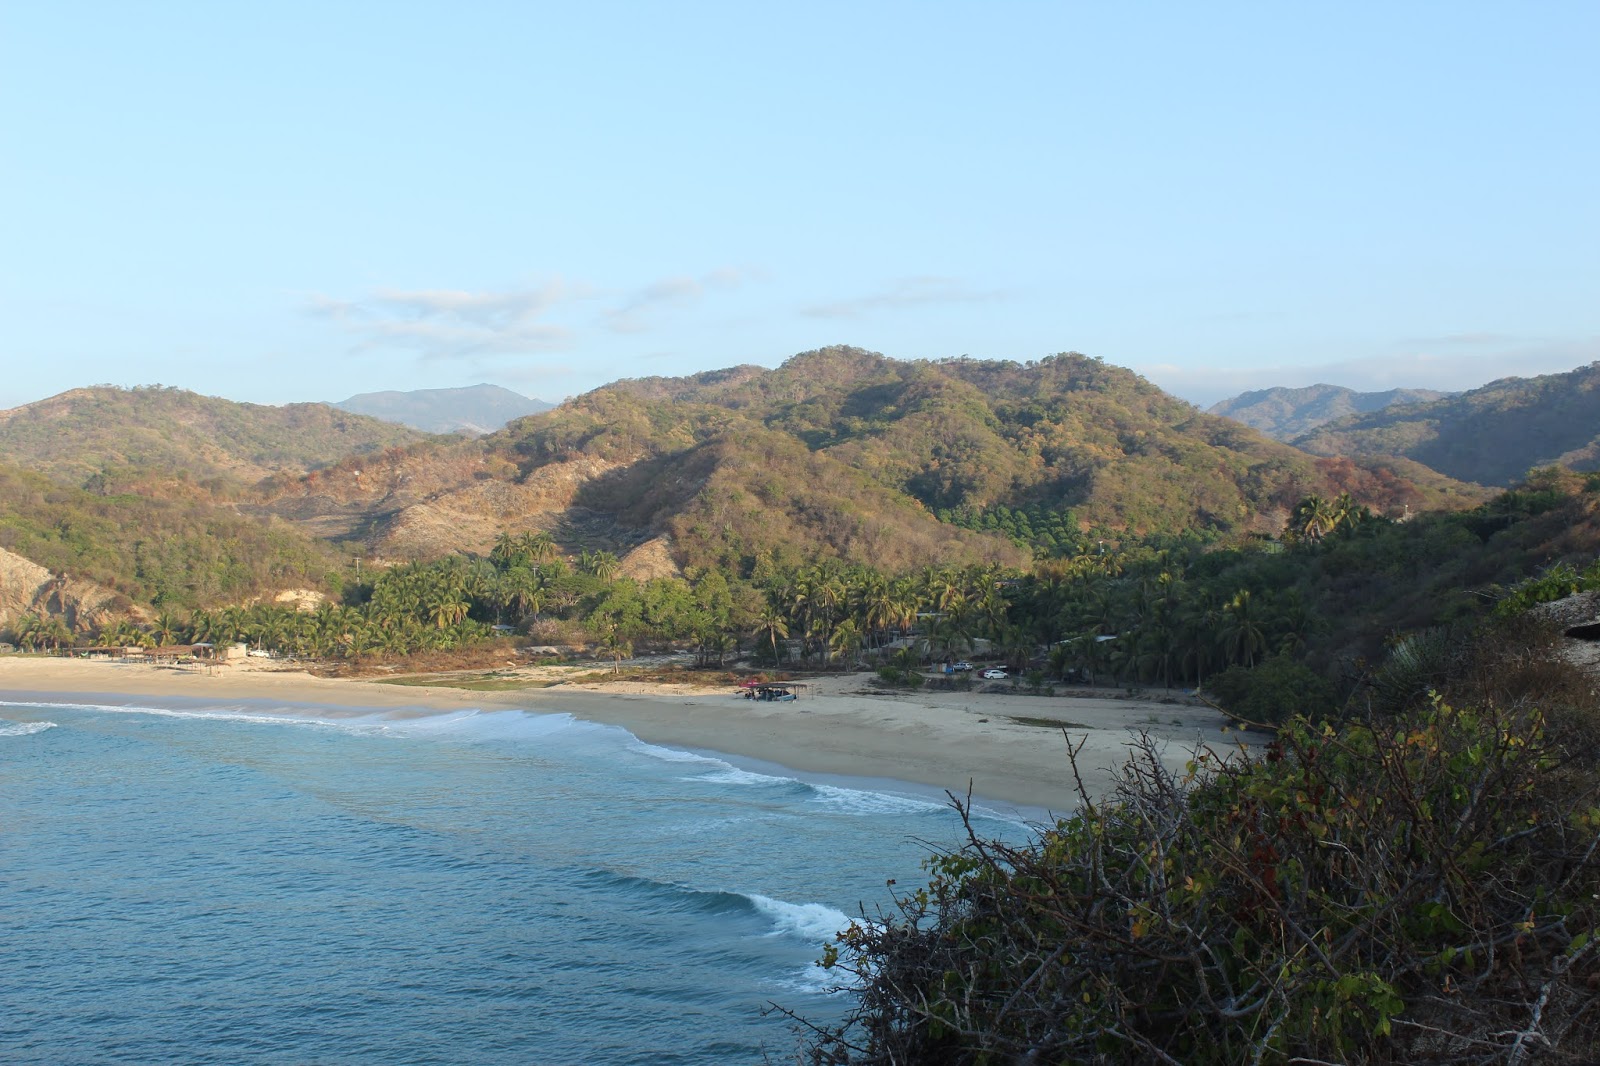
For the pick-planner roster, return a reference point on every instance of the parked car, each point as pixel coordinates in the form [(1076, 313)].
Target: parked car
[(961, 667), (995, 674)]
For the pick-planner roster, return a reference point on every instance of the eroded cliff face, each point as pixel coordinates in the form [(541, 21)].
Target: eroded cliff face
[(28, 588)]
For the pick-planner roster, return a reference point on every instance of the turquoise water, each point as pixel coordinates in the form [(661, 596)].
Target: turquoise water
[(257, 883)]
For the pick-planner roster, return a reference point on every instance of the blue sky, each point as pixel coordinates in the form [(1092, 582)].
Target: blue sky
[(293, 201)]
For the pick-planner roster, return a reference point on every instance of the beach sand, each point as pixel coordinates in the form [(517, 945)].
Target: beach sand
[(1005, 746)]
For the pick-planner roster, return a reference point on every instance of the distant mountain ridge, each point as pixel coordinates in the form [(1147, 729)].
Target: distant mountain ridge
[(840, 453), (475, 409), (81, 432), (847, 454), (1490, 435), (1285, 413)]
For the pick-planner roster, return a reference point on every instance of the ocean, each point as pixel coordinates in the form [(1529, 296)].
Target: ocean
[(183, 883)]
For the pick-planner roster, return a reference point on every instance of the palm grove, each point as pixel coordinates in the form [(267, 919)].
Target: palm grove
[(1171, 611)]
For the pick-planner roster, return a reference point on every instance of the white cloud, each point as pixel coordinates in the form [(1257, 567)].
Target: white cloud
[(904, 293)]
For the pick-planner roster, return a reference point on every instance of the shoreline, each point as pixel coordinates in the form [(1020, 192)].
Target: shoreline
[(1007, 748)]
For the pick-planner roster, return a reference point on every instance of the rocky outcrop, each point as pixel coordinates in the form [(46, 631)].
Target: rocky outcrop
[(28, 588)]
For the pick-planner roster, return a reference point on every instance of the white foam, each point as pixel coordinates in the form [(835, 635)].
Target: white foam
[(814, 980), (656, 751), (23, 729), (816, 922), (474, 724), (860, 801), (214, 715), (487, 725), (735, 776)]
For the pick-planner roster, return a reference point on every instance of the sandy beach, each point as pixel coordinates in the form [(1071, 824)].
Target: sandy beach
[(1007, 747)]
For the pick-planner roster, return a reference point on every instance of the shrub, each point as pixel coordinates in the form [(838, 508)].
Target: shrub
[(1272, 690), (899, 677), (1423, 891)]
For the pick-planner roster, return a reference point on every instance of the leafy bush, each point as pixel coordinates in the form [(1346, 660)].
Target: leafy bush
[(1423, 891), (1556, 583), (1272, 690), (900, 677)]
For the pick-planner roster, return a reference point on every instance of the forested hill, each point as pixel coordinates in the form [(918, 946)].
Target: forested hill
[(838, 453), (1491, 435), (1284, 414), (80, 433), (808, 456)]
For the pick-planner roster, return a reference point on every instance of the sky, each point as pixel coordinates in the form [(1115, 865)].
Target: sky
[(302, 201)]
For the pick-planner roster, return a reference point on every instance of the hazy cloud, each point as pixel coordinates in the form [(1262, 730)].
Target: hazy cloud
[(906, 292), (1466, 340), (633, 313), (455, 323)]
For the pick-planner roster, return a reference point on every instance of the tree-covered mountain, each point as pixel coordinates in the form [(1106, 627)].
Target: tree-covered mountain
[(1490, 435), (473, 410), (1284, 413), (746, 450), (838, 454), (158, 430)]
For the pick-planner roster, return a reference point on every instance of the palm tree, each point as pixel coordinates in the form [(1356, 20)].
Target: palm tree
[(446, 608), (507, 551), (1314, 518), (33, 632), (26, 631), (877, 606), (541, 547), (165, 628), (524, 592), (1241, 635), (771, 624), (600, 564), (846, 639), (234, 621)]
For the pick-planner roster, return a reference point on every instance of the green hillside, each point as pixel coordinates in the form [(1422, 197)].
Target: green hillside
[(164, 552), (845, 452), (1492, 435), (838, 454), (81, 433)]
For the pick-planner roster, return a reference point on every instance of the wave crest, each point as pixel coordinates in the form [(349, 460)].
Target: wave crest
[(23, 729)]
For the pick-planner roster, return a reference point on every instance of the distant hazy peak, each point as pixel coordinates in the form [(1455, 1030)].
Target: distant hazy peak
[(1287, 413), (1492, 435), (474, 409)]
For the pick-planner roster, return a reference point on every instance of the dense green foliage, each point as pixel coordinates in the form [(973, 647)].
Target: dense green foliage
[(163, 552), (1248, 620), (1410, 890), (1492, 435), (1049, 532), (1416, 882)]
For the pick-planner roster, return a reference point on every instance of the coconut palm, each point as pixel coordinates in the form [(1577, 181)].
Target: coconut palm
[(1241, 635), (771, 625), (846, 640)]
